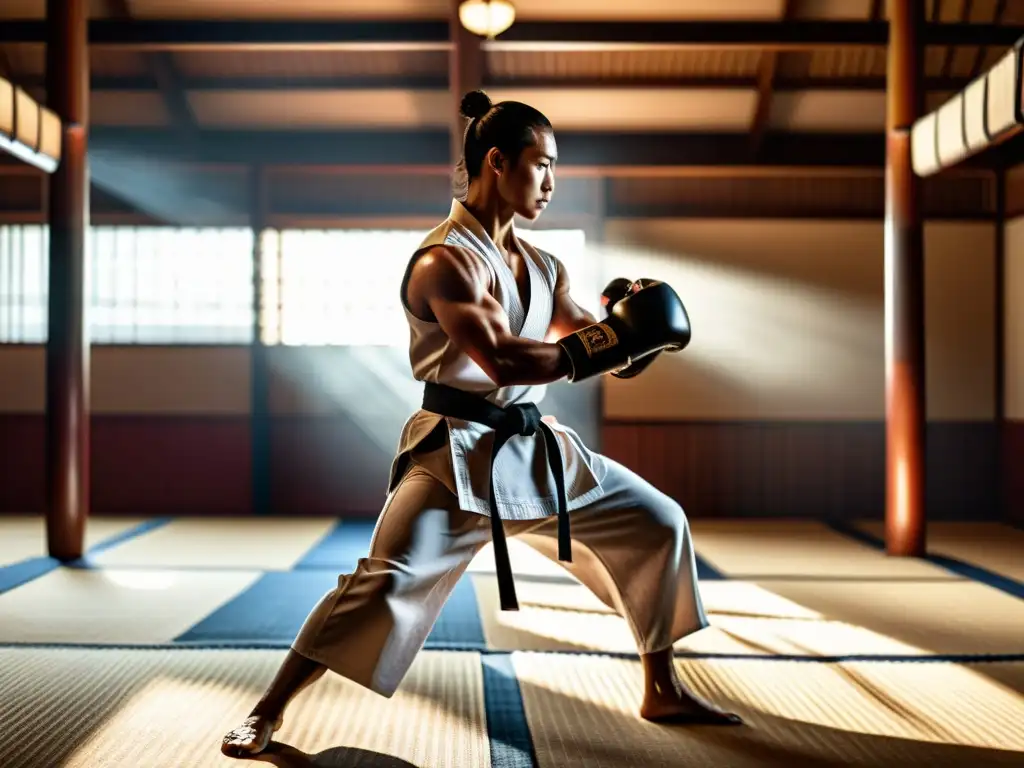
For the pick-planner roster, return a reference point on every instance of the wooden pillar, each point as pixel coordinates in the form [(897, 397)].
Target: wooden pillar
[(67, 347), (465, 73), (904, 290), (259, 410), (1002, 465)]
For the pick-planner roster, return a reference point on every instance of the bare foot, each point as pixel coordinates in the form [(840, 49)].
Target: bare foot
[(681, 707), (251, 737), (667, 699)]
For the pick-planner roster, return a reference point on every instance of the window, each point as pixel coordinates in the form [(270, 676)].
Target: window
[(23, 281), (164, 285), (335, 287), (341, 287), (144, 285)]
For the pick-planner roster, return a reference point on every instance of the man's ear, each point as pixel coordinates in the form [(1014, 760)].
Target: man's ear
[(495, 160)]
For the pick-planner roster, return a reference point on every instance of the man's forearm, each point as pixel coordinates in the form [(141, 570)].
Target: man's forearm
[(525, 361)]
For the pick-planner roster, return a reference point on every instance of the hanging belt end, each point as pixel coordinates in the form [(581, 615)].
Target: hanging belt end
[(512, 605)]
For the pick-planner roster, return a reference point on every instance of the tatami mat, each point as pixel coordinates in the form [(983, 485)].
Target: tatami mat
[(113, 606), (998, 548), (755, 549), (774, 618), (935, 617), (145, 709), (268, 544), (583, 713), (24, 536), (526, 562), (273, 608)]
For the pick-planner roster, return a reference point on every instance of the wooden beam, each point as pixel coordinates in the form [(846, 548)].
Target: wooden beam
[(765, 92), (435, 82), (168, 80), (5, 66), (147, 34), (979, 56), (67, 348), (161, 67), (877, 7), (950, 54), (466, 66), (391, 148), (905, 518), (766, 88)]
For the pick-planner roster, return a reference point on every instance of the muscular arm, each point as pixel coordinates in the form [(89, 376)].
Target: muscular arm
[(568, 316), (453, 285)]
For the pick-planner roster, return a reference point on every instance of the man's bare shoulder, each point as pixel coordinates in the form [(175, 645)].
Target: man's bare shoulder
[(448, 272)]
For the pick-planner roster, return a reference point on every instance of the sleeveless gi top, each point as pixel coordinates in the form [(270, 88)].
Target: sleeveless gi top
[(523, 484)]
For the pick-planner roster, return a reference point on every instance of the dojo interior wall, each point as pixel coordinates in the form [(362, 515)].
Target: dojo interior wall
[(777, 409), (1013, 433)]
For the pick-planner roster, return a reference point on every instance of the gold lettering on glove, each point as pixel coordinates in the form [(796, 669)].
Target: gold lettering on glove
[(597, 338)]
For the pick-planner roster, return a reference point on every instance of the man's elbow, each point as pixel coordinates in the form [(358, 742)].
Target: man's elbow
[(503, 375)]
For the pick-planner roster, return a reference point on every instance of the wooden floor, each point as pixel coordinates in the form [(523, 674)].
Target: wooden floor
[(160, 639)]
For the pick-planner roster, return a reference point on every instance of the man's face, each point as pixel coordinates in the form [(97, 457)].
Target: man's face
[(527, 187)]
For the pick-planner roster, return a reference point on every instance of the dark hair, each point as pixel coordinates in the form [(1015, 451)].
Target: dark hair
[(507, 125)]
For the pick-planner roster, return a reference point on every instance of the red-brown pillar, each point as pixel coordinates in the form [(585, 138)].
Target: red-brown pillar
[(904, 290), (67, 347), (259, 413)]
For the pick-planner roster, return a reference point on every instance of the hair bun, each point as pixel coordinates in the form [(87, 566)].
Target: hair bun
[(475, 104)]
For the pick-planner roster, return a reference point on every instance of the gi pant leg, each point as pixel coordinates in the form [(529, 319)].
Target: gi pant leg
[(633, 548), (371, 626)]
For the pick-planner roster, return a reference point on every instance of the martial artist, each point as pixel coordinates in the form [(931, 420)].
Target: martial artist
[(491, 323)]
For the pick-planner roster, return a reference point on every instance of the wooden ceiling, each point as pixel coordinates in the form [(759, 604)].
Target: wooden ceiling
[(343, 108), (814, 66)]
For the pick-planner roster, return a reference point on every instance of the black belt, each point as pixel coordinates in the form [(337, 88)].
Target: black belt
[(519, 419)]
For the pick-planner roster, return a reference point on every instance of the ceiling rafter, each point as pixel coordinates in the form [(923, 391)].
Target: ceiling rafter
[(161, 67), (766, 87), (441, 82), (950, 54), (979, 56), (530, 35)]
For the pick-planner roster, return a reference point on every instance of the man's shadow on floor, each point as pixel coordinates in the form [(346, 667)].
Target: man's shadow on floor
[(285, 756)]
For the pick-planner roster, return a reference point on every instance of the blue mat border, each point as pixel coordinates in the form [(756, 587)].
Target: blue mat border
[(458, 625), (954, 658), (508, 730), (24, 571), (976, 573)]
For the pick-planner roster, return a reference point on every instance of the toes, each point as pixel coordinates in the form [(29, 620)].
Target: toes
[(245, 738)]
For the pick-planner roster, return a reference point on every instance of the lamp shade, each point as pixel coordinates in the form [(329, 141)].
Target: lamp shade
[(487, 18), (6, 108), (49, 134), (26, 119), (975, 108), (952, 140), (1001, 112), (28, 131), (924, 148)]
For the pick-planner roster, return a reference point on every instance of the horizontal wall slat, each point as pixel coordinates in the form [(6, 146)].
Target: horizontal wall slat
[(808, 469), (327, 465)]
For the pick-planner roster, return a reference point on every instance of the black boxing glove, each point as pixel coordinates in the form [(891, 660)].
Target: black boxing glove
[(650, 320), (616, 290), (619, 288)]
